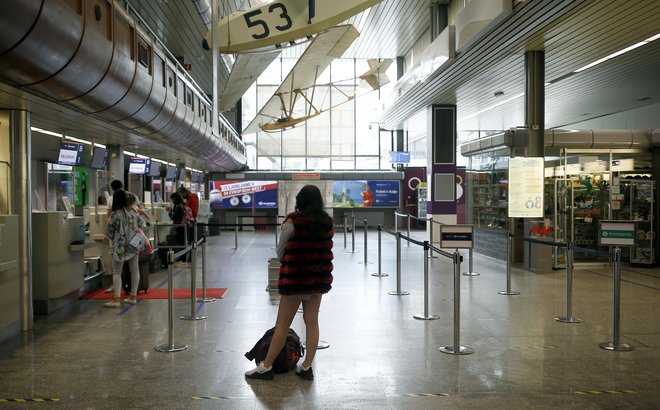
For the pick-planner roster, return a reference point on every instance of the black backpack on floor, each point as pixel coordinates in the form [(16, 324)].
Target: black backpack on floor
[(288, 357)]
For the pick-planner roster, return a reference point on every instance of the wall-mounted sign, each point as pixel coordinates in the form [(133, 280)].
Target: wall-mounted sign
[(617, 233), (526, 187), (301, 176), (457, 236)]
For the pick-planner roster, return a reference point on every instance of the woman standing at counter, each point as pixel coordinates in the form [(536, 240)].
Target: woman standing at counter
[(123, 225)]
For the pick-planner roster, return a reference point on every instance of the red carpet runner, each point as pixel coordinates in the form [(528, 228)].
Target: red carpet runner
[(159, 293)]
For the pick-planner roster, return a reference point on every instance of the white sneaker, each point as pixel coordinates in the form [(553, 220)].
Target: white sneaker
[(260, 372), (112, 304), (132, 300)]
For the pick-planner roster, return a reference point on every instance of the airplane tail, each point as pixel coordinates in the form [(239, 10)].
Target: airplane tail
[(375, 77)]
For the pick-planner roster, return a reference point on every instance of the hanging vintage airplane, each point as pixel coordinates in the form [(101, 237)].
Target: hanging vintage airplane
[(256, 35), (279, 23), (300, 97)]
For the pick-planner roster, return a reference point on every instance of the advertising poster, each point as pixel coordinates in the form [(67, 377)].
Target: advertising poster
[(243, 194), (526, 187), (351, 194)]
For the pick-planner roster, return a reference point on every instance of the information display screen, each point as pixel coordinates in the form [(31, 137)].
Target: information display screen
[(138, 165), (400, 157), (243, 194), (70, 153), (154, 171), (376, 193), (172, 172), (99, 158)]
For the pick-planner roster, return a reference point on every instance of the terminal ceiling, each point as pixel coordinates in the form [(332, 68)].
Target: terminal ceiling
[(572, 33)]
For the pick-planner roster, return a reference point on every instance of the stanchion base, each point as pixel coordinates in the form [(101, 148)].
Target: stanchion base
[(433, 257), (368, 262), (470, 274), (352, 251), (191, 317), (566, 319), (300, 310), (322, 345), (620, 348), (460, 351), (379, 275), (207, 300), (508, 292), (395, 293), (422, 316), (174, 347)]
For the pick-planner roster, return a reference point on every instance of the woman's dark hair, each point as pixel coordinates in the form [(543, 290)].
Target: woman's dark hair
[(310, 203), (116, 185), (119, 200), (176, 198)]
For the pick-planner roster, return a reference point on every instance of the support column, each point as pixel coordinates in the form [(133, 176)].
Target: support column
[(535, 101), (116, 162), (442, 164), (215, 40), (21, 205)]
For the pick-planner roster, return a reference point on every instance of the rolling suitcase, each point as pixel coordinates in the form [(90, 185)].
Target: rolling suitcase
[(126, 279), (273, 274)]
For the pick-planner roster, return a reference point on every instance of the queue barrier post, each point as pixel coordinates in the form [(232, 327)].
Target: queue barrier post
[(380, 273), (236, 236), (408, 231), (509, 249), (398, 291), (457, 349), (345, 229), (193, 283), (569, 318), (170, 346), (425, 315), (353, 235), (430, 221), (366, 253), (204, 298), (615, 344), (470, 271)]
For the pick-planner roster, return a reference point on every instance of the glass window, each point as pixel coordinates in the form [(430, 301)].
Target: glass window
[(343, 163), (293, 141), (367, 162), (318, 135), (293, 164), (269, 163), (318, 164), (269, 143)]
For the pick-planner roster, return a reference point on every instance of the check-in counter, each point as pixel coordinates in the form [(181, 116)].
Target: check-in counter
[(57, 260), (9, 281), (160, 216)]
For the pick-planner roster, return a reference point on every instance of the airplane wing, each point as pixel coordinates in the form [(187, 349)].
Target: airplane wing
[(244, 72), (317, 57)]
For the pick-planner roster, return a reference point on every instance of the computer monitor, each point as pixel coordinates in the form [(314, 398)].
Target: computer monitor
[(70, 153), (137, 165), (99, 158)]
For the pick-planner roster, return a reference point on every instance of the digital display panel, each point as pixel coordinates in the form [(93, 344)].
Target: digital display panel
[(375, 193), (154, 171), (138, 165), (243, 194), (172, 172), (99, 158), (400, 157), (70, 153)]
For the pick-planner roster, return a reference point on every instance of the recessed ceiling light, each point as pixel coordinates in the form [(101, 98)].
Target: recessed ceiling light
[(498, 93)]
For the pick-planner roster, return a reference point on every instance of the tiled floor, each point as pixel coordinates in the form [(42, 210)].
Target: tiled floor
[(380, 357)]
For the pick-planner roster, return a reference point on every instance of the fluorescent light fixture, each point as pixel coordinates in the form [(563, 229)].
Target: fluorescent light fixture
[(54, 134), (142, 156), (491, 107), (99, 145), (130, 154), (618, 53), (77, 140)]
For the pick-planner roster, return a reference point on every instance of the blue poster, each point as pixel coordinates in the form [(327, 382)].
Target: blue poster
[(350, 194)]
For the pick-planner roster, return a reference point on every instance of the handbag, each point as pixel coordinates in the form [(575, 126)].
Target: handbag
[(136, 243)]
